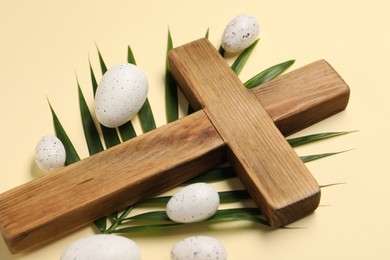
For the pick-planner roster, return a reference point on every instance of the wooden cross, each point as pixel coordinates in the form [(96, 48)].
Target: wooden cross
[(231, 123)]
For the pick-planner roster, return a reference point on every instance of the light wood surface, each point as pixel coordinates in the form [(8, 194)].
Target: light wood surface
[(149, 164), (278, 181), (315, 92)]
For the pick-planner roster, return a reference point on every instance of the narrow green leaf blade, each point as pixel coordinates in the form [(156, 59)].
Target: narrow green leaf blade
[(235, 211), (143, 228), (238, 214), (151, 216), (221, 51), (294, 142), (130, 56), (114, 216), (268, 74), (242, 217), (71, 154), (93, 79), (90, 132), (146, 117), (331, 184), (216, 174), (239, 63), (313, 157), (127, 131), (101, 224), (125, 213), (103, 66), (118, 220), (110, 136), (207, 33), (171, 98)]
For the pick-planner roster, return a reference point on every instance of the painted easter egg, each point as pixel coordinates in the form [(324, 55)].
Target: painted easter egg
[(102, 247), (50, 153), (193, 203), (240, 33), (198, 248), (120, 94)]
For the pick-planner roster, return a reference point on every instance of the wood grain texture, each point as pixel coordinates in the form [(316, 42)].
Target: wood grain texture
[(271, 171), (315, 92), (61, 202), (149, 164)]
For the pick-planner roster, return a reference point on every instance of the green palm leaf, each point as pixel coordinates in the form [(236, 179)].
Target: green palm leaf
[(237, 214), (144, 228), (145, 114), (71, 154), (331, 184), (313, 157), (221, 51), (150, 216), (118, 220), (90, 132), (268, 74), (103, 66), (171, 99), (127, 131), (110, 136), (294, 142), (216, 174), (93, 79), (239, 63), (146, 117), (130, 56)]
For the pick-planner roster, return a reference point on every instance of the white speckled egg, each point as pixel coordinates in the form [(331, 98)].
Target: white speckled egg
[(120, 94), (102, 247), (240, 33), (193, 203), (199, 248), (50, 153)]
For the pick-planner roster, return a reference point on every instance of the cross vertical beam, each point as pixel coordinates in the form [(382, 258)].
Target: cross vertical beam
[(269, 168)]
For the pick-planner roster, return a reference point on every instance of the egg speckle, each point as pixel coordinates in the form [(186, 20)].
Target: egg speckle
[(120, 94), (240, 33), (193, 203), (102, 247), (199, 248), (50, 153)]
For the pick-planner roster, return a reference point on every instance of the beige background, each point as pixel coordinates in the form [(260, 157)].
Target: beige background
[(44, 44)]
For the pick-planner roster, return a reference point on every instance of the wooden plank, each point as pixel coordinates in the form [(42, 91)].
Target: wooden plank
[(61, 202), (271, 171), (303, 97)]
